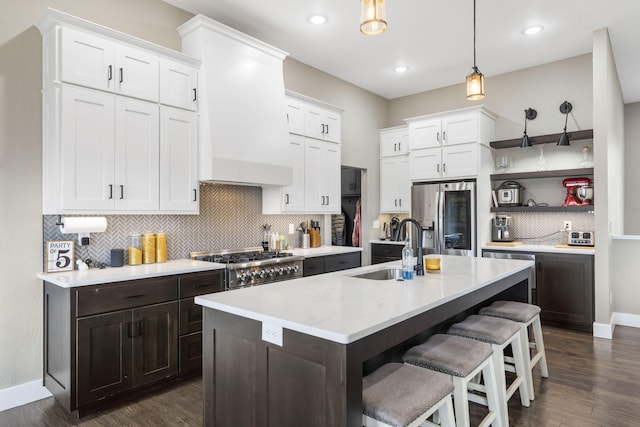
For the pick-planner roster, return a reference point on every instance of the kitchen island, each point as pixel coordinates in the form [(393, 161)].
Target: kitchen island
[(294, 353)]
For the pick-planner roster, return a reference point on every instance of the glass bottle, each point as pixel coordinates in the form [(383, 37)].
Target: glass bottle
[(407, 261), (542, 161)]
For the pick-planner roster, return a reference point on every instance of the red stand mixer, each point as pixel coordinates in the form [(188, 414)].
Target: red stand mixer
[(579, 192)]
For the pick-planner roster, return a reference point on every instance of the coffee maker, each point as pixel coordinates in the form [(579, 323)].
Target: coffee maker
[(500, 229)]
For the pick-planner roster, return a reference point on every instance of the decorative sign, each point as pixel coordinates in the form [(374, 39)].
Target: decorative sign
[(60, 256)]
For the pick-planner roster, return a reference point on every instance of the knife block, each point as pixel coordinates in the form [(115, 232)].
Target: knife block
[(314, 237)]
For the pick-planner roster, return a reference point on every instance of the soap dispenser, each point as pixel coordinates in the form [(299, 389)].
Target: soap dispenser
[(407, 261)]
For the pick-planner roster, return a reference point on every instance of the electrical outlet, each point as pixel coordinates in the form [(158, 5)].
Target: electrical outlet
[(291, 229), (566, 226), (272, 333)]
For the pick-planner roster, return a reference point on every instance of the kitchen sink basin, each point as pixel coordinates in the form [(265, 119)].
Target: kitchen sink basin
[(384, 274)]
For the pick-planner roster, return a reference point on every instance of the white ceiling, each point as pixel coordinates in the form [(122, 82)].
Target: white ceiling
[(435, 38)]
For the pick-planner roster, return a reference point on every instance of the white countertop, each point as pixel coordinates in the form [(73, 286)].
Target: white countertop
[(342, 308), (325, 250), (96, 276), (575, 250)]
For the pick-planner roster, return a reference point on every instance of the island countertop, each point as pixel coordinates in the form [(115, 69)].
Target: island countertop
[(342, 308)]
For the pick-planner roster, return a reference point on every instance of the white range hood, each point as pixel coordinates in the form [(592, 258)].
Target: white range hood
[(243, 126)]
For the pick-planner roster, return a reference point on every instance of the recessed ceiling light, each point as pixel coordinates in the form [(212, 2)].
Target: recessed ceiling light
[(535, 29), (317, 19), (401, 69)]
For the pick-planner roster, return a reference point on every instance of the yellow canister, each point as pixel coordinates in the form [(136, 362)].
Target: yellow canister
[(161, 247), (148, 248), (135, 249)]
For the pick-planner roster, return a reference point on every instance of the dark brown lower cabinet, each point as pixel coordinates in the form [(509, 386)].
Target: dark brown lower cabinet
[(104, 341), (382, 252), (565, 289), (330, 263)]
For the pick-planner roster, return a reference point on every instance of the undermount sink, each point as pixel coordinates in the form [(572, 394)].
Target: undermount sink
[(384, 274)]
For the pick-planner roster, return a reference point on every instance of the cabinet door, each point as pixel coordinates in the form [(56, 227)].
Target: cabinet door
[(425, 164), (86, 60), (293, 195), (295, 116), (178, 84), (460, 128), (388, 196), (425, 134), (330, 179), (179, 189), (403, 184), (87, 153), (332, 126), (565, 288), (104, 353), (155, 347), (136, 155), (460, 160), (313, 200), (137, 73)]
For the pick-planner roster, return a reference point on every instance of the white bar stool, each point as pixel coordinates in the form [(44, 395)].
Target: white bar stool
[(401, 395), (463, 359), (526, 315), (500, 333)]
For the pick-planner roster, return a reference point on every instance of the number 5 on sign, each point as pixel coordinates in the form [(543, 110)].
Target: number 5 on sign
[(59, 255)]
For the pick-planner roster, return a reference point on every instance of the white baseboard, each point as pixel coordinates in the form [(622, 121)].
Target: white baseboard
[(22, 394), (604, 330)]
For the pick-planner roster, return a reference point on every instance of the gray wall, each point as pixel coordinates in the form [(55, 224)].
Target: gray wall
[(632, 169)]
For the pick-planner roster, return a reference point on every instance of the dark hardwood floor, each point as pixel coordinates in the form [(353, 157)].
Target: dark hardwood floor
[(592, 382)]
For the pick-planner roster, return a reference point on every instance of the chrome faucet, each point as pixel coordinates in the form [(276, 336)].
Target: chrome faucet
[(419, 267)]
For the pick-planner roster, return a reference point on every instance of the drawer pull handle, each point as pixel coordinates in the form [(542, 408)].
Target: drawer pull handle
[(201, 285), (133, 296)]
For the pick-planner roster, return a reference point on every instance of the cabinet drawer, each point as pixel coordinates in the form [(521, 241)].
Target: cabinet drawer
[(112, 297), (382, 250), (201, 283), (341, 262), (190, 316), (313, 266), (191, 352)]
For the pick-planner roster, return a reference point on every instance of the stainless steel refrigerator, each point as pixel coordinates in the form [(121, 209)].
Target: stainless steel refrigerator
[(447, 213)]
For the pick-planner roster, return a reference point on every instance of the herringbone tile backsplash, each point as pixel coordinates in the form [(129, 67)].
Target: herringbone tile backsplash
[(230, 218), (535, 228)]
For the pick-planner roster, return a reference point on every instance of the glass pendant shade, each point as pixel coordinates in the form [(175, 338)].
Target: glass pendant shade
[(475, 85), (373, 17)]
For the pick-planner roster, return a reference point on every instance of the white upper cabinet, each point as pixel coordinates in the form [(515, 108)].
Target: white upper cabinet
[(99, 63), (395, 185), (445, 145), (179, 188), (102, 131), (394, 141), (322, 176), (313, 119), (178, 84)]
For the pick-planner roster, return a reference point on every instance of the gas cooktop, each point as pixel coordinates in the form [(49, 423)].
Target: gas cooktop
[(240, 256)]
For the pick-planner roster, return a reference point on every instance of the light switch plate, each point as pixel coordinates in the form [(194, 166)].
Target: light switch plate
[(272, 333), (376, 223)]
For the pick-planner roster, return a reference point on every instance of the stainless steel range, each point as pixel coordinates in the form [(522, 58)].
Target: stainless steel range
[(253, 266)]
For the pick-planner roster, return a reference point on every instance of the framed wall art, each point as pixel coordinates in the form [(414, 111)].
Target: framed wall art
[(60, 256)]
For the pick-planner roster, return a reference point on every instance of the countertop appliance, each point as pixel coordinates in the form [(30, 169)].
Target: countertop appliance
[(579, 192), (446, 212), (510, 193), (581, 238), (501, 229), (253, 266)]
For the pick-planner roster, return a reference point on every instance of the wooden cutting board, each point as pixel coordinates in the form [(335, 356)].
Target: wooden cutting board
[(507, 244), (574, 247)]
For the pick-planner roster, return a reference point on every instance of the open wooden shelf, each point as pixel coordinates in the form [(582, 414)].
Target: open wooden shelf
[(544, 209), (542, 174), (542, 139)]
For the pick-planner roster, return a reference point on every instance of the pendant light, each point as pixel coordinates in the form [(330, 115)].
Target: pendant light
[(529, 114), (373, 17), (475, 79), (565, 108)]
